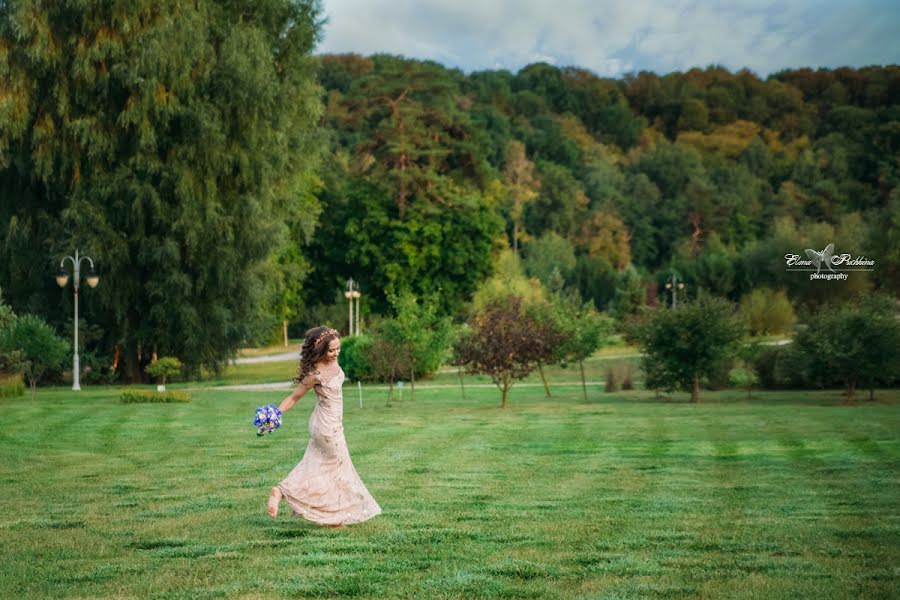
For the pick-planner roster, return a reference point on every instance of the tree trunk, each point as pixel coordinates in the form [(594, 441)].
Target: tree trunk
[(503, 403), (132, 363), (412, 381), (583, 383), (871, 394), (516, 238), (851, 388), (461, 384), (285, 334), (544, 379), (695, 389)]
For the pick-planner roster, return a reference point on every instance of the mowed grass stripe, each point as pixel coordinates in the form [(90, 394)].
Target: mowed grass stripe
[(788, 495)]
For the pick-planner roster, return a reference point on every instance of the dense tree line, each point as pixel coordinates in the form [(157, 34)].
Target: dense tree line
[(225, 179), (711, 173)]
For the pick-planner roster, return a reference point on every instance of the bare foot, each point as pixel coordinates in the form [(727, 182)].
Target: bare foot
[(274, 501)]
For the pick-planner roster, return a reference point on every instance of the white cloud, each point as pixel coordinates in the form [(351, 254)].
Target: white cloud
[(612, 38)]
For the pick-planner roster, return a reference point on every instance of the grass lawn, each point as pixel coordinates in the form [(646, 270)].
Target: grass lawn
[(790, 495)]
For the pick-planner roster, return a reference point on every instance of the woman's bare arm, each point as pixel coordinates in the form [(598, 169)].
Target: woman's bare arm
[(305, 385)]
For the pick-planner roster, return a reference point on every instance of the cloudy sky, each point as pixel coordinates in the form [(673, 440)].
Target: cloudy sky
[(616, 37)]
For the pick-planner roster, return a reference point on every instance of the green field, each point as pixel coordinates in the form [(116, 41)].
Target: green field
[(790, 495)]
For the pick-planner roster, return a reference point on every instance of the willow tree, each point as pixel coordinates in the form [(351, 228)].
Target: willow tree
[(174, 142)]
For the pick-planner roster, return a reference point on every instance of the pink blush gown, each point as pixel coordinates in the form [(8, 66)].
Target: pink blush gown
[(324, 487)]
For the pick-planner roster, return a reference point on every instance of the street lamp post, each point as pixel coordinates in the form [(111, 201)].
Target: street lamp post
[(349, 296), (351, 293), (62, 278), (674, 284), (356, 295)]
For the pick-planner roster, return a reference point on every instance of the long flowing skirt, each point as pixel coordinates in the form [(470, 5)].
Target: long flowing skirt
[(324, 487)]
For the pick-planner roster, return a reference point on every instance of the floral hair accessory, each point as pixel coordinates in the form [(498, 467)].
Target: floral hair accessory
[(323, 334)]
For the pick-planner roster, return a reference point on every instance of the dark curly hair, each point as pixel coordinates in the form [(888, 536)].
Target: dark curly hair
[(314, 349)]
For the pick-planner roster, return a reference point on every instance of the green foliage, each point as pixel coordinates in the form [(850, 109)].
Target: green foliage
[(559, 205), (175, 143), (595, 279), (743, 376), (629, 295), (521, 189), (164, 367), (355, 357), (769, 363), (544, 136), (386, 360), (11, 358), (768, 312), (98, 368), (502, 342), (549, 257), (585, 330), (421, 338), (420, 143), (694, 116), (549, 335), (7, 316), (436, 248), (684, 345), (851, 346), (885, 240), (508, 279), (199, 138), (11, 386), (42, 351), (763, 263), (135, 396)]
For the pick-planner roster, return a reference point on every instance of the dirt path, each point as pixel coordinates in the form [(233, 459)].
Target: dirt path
[(269, 358)]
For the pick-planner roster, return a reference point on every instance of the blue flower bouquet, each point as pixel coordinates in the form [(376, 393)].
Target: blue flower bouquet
[(267, 420)]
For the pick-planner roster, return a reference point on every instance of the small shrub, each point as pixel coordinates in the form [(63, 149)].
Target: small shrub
[(719, 377), (768, 312), (768, 364), (11, 386), (612, 383), (168, 366), (355, 357), (743, 376), (42, 352), (139, 396), (627, 375), (97, 368), (619, 376)]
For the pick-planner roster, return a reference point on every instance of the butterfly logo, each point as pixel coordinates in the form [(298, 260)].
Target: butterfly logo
[(823, 257)]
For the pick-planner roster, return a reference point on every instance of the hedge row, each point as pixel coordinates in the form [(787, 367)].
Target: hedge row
[(133, 396)]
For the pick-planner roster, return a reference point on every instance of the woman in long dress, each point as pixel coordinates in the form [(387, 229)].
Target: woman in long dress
[(324, 487)]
